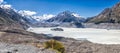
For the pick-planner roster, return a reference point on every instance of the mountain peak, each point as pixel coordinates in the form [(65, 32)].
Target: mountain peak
[(64, 13), (67, 11), (118, 3), (66, 16)]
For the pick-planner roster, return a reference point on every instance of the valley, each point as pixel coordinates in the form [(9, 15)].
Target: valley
[(54, 29)]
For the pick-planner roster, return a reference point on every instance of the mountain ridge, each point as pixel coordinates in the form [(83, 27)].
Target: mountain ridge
[(8, 17), (108, 15)]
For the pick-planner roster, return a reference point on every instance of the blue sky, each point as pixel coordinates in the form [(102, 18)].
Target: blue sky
[(86, 8)]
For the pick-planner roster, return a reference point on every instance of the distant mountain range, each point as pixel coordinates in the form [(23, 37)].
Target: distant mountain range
[(9, 16), (64, 19), (108, 19)]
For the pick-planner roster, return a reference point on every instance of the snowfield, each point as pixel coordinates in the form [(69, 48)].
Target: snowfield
[(102, 36)]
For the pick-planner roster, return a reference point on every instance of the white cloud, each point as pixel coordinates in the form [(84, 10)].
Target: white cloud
[(76, 15), (6, 6), (27, 12), (1, 1), (15, 10), (43, 17)]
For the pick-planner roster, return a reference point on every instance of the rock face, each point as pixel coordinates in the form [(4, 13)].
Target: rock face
[(109, 15)]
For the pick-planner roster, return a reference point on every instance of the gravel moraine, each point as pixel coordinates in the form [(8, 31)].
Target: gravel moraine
[(19, 48)]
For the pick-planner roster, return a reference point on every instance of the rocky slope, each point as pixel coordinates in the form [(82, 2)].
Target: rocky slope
[(21, 41), (109, 15), (109, 18), (8, 17)]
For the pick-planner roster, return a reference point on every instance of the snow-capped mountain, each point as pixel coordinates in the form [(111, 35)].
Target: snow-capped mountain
[(32, 17), (67, 16), (28, 15), (63, 19), (13, 12), (5, 6)]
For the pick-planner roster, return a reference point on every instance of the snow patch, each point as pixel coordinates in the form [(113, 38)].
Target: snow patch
[(26, 12), (43, 17), (1, 1), (6, 6), (76, 15)]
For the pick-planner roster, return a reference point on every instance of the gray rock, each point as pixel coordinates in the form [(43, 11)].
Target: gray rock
[(57, 29)]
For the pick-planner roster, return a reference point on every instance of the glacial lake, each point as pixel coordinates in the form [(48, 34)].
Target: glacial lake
[(102, 36)]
